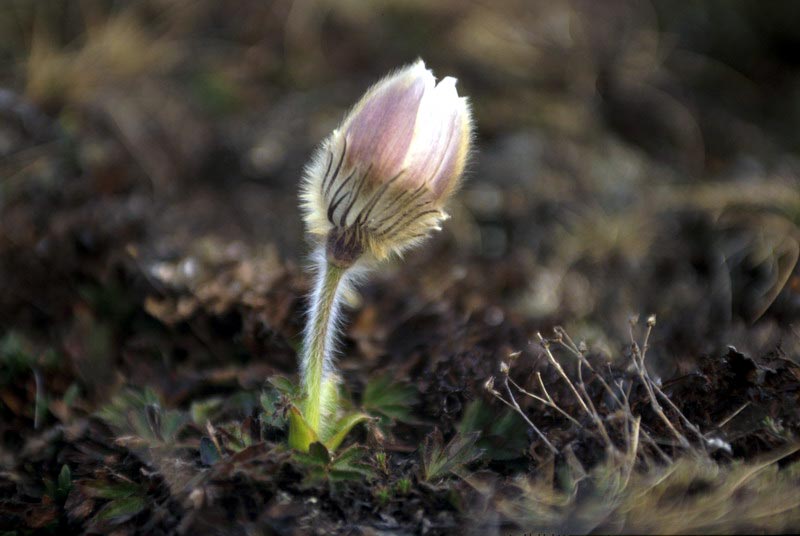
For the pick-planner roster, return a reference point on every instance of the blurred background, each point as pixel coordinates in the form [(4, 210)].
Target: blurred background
[(632, 157)]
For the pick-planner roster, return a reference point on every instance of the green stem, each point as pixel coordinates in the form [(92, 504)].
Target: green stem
[(317, 366)]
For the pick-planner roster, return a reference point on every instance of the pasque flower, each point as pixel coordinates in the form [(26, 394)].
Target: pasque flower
[(376, 186), (379, 182)]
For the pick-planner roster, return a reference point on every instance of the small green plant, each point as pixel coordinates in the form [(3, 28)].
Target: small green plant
[(59, 489), (140, 415), (125, 499), (388, 400), (335, 468), (403, 486), (19, 356), (376, 187), (503, 436), (382, 462), (440, 460), (383, 495)]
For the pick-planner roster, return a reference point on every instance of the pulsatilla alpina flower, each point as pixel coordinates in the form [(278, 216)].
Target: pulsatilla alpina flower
[(379, 182), (376, 186)]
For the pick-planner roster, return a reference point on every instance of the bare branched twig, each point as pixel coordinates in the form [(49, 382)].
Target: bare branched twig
[(620, 416), (638, 355), (489, 385), (582, 397)]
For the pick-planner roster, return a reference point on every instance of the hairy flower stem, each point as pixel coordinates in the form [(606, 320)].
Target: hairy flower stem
[(317, 368)]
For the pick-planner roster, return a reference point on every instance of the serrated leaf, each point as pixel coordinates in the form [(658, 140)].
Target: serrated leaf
[(439, 460), (344, 475), (235, 436), (343, 427), (140, 414), (351, 454), (475, 417), (385, 397), (320, 464), (274, 415), (284, 386), (503, 433), (347, 465)]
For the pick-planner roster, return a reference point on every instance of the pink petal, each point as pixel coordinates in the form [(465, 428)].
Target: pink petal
[(380, 129), (441, 139)]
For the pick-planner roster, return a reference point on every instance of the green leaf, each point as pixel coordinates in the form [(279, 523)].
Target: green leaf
[(316, 457), (343, 427), (301, 435), (269, 401), (347, 465), (439, 460), (320, 464), (112, 490), (476, 417), (141, 414), (351, 454), (503, 433), (18, 355), (64, 480), (274, 414), (389, 399), (284, 386), (319, 453), (403, 486), (120, 510), (242, 434), (202, 410), (71, 394)]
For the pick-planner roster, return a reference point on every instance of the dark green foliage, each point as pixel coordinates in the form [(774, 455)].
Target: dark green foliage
[(403, 486), (18, 357), (345, 466), (503, 432), (284, 386), (274, 405), (141, 414), (383, 495), (202, 411), (389, 400), (126, 499), (277, 399), (440, 460), (235, 436), (59, 490), (122, 509), (112, 490)]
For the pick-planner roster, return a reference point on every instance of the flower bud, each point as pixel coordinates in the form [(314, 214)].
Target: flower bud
[(379, 183)]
